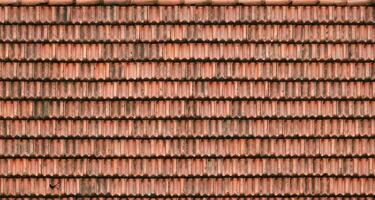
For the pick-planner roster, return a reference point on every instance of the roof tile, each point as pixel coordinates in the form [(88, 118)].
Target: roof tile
[(187, 102), (129, 15)]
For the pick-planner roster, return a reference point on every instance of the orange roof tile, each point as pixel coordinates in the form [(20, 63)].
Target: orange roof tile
[(266, 101)]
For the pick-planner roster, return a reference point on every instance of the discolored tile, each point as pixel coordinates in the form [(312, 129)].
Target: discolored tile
[(267, 100)]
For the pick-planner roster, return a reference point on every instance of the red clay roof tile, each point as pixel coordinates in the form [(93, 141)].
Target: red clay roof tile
[(187, 102)]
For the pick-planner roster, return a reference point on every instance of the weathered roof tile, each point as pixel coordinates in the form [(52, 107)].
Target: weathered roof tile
[(270, 101)]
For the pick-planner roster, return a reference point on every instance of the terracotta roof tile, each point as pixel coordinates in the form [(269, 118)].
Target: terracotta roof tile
[(194, 168), (188, 148), (148, 90), (188, 34), (271, 101), (191, 128), (163, 15), (15, 52), (188, 71), (171, 109), (188, 187)]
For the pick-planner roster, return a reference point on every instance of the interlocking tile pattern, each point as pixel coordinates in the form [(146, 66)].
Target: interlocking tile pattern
[(188, 15), (264, 102)]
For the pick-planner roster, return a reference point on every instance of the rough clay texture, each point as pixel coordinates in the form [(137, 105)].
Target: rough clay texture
[(183, 102)]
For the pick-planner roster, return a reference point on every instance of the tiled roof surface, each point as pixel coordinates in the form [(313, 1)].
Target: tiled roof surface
[(167, 102)]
